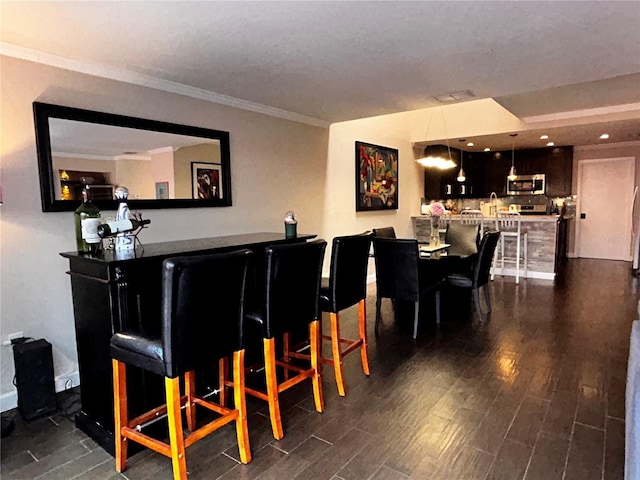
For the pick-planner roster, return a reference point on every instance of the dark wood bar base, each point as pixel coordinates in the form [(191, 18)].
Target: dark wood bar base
[(121, 291)]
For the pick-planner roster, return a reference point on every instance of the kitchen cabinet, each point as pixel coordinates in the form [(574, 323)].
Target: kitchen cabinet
[(443, 184), (559, 172), (496, 169), (487, 172)]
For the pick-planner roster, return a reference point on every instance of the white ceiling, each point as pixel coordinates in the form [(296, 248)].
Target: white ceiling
[(324, 62)]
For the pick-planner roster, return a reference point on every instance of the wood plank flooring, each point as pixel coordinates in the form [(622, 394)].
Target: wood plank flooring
[(536, 392)]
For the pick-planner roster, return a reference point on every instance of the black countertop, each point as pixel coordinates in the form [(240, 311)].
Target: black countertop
[(179, 247)]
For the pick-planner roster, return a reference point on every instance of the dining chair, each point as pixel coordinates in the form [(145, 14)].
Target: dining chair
[(193, 335), (463, 238), (399, 277), (384, 232), (289, 305), (479, 277)]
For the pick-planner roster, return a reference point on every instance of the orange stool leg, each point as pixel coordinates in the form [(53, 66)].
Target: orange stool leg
[(286, 345), (176, 438), (362, 327), (315, 335), (242, 431), (272, 387), (222, 380), (189, 391), (337, 356), (120, 412)]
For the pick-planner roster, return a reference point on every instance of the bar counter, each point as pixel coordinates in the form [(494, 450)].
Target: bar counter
[(546, 243), (121, 291)]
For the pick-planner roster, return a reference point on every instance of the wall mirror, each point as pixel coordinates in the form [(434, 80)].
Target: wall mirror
[(164, 165)]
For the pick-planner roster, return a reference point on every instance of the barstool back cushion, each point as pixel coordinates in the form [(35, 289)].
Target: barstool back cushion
[(202, 309), (293, 274), (202, 315), (348, 274)]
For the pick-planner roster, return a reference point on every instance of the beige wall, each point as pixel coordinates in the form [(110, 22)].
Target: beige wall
[(276, 165)]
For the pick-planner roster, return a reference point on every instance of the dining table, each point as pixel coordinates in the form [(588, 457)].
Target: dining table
[(437, 262)]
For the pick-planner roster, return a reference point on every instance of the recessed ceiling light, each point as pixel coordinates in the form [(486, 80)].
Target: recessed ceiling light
[(470, 144), (550, 144), (487, 149), (604, 136), (544, 137)]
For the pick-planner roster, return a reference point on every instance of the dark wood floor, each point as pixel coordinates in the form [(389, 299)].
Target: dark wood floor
[(536, 392)]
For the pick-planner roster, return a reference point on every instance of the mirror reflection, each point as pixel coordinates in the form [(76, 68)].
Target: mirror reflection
[(152, 165), (163, 165)]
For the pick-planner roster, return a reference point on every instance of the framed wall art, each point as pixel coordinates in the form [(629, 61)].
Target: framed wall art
[(376, 177), (205, 181)]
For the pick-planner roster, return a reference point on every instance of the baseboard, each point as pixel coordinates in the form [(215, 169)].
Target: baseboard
[(65, 381), (511, 272)]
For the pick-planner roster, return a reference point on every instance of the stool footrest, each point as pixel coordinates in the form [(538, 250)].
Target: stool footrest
[(149, 442)]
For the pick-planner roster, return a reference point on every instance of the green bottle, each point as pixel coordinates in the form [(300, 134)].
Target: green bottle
[(87, 219)]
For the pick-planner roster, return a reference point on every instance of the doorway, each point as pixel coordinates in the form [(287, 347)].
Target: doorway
[(605, 197)]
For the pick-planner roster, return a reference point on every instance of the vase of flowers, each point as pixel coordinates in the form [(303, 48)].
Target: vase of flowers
[(436, 210)]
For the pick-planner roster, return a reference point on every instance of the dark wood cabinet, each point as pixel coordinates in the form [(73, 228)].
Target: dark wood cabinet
[(559, 171), (121, 291), (487, 172)]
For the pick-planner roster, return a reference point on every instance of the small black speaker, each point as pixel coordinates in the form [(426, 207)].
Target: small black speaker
[(34, 378)]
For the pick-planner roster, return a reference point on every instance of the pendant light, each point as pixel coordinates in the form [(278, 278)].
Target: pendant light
[(512, 172), (461, 176), (437, 160)]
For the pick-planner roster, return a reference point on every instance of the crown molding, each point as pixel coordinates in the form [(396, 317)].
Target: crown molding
[(588, 112), (126, 76), (634, 143)]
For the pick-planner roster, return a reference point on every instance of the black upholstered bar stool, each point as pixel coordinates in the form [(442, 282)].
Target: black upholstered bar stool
[(345, 287), (292, 287), (193, 335)]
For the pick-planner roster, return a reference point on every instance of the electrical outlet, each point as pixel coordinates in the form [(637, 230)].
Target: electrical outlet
[(12, 337)]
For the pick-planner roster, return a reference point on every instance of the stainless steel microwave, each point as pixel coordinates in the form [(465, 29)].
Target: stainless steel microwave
[(527, 185)]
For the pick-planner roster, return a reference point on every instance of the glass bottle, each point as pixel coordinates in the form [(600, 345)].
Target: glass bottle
[(87, 219)]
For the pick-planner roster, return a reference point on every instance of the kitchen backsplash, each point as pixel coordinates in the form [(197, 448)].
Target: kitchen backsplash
[(457, 205)]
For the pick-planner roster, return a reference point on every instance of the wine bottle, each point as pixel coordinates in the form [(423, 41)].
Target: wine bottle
[(87, 219), (110, 229)]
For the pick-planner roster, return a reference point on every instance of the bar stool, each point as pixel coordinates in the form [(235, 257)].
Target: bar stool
[(193, 334), (345, 287), (292, 287), (473, 217), (509, 224)]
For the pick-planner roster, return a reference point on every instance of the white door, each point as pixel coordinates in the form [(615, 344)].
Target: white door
[(605, 196)]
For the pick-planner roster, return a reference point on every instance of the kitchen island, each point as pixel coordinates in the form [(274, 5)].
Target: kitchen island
[(546, 246)]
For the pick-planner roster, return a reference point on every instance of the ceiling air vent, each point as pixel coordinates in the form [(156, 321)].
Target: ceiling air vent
[(460, 96)]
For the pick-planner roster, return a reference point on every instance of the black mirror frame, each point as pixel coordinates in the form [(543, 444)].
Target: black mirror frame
[(43, 112)]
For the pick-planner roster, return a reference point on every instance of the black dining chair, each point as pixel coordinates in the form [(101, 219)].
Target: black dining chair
[(202, 321), (479, 276), (290, 306), (399, 276), (384, 232), (463, 238), (345, 287)]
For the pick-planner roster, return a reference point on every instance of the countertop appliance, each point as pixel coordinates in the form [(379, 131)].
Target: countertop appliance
[(527, 185), (538, 209)]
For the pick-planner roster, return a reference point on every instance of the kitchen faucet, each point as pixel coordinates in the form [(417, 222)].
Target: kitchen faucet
[(493, 208)]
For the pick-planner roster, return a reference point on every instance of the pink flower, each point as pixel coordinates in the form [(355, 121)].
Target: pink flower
[(436, 209)]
